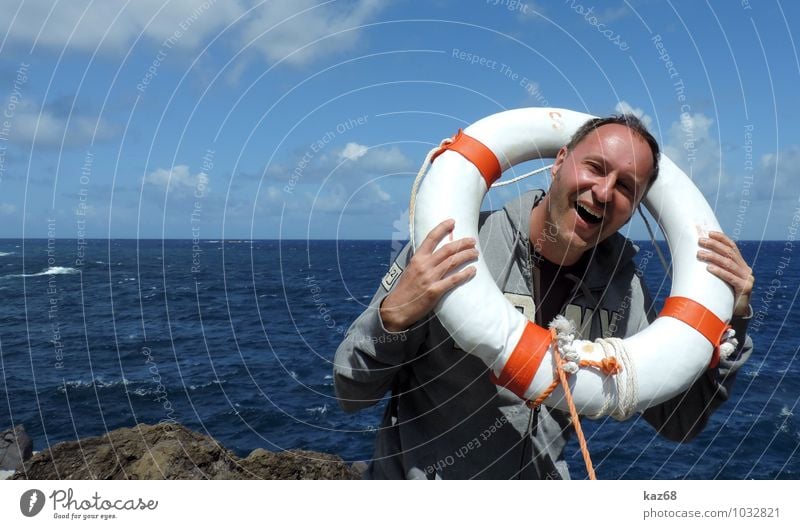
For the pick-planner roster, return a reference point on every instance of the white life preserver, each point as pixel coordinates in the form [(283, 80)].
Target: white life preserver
[(669, 354)]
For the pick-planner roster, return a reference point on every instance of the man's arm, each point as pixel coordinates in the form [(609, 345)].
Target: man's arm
[(393, 328), (684, 416)]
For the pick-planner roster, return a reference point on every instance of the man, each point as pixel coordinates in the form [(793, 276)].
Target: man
[(550, 253)]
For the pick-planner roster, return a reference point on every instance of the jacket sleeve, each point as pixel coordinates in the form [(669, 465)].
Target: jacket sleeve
[(369, 357), (681, 418)]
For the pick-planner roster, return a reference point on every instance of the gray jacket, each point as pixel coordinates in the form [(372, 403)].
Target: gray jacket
[(446, 419)]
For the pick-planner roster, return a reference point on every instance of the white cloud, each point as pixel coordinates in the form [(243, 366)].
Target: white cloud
[(282, 28), (353, 151), (7, 209), (376, 161), (275, 29), (84, 24), (692, 145), (623, 107), (349, 182), (612, 14), (50, 129), (780, 171), (179, 180)]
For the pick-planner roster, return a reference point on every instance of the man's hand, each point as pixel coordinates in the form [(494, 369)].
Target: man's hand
[(726, 262), (423, 282)]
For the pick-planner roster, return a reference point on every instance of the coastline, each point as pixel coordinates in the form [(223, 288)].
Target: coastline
[(172, 451)]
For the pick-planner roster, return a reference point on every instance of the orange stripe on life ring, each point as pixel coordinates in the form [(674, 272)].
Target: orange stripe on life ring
[(476, 153), (525, 360), (699, 318)]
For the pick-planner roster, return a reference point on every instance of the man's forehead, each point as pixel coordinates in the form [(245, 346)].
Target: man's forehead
[(612, 131), (602, 144)]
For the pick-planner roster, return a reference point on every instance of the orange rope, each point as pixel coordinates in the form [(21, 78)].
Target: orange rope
[(609, 366)]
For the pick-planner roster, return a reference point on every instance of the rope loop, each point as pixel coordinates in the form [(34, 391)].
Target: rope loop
[(609, 365)]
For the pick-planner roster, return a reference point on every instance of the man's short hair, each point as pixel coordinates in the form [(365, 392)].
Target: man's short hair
[(628, 120)]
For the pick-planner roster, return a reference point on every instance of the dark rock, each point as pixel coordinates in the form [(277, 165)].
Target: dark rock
[(15, 447), (171, 451)]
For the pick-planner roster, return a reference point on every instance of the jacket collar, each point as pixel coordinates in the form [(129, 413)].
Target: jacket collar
[(608, 257)]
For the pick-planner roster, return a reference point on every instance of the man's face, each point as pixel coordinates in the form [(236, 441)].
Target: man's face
[(596, 187)]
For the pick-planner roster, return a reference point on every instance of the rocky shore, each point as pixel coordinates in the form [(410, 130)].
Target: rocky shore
[(165, 451)]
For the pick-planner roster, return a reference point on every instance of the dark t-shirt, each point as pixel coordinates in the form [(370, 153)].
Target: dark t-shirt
[(552, 286)]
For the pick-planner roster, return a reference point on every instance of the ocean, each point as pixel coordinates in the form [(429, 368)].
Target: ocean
[(236, 339)]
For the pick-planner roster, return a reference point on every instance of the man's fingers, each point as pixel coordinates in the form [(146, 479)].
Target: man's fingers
[(452, 281), (718, 259), (435, 236), (723, 248), (721, 237), (452, 248), (729, 277), (454, 261)]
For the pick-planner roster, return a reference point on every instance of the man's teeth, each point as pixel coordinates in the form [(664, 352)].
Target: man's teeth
[(591, 213)]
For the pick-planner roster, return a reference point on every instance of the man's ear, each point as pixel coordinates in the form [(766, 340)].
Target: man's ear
[(559, 161)]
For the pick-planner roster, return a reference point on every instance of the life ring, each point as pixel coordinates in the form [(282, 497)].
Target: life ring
[(669, 355)]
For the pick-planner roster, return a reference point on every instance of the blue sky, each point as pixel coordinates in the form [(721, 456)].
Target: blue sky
[(295, 119)]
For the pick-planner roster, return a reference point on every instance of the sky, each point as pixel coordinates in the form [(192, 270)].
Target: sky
[(304, 119)]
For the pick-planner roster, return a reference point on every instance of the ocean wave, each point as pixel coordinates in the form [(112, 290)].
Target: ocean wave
[(195, 387), (143, 392), (6, 254), (52, 271), (97, 382), (318, 410)]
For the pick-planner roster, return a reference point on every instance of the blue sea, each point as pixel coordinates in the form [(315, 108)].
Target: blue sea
[(236, 339)]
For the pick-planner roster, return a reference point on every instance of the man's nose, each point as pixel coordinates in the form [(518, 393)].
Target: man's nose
[(603, 189)]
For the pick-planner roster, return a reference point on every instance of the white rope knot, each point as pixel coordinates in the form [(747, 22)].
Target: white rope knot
[(625, 384), (572, 356), (728, 345), (570, 367), (565, 336)]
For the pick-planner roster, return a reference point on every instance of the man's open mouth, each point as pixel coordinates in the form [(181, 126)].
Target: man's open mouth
[(588, 215)]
